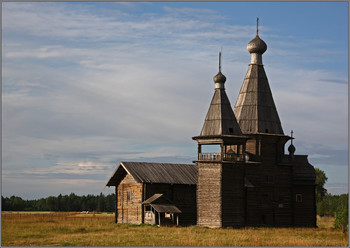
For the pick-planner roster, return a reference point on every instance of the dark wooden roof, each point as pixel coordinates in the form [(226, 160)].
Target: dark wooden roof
[(303, 172), (220, 119), (161, 204), (255, 108), (152, 198), (144, 172)]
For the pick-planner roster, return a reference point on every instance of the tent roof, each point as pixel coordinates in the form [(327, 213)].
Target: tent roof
[(220, 119), (255, 109)]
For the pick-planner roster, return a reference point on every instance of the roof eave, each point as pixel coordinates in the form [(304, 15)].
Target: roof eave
[(107, 185), (127, 171)]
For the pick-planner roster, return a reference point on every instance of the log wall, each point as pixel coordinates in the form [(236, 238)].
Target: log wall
[(209, 194), (233, 195), (269, 202), (129, 197), (304, 211)]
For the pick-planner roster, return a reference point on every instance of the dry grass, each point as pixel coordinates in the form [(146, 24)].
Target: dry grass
[(100, 230)]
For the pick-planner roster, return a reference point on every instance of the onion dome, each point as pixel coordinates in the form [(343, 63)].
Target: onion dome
[(219, 78), (257, 45), (291, 149)]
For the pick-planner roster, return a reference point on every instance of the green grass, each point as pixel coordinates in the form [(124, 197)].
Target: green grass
[(100, 230)]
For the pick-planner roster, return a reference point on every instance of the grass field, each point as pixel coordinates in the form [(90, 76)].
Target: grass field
[(76, 229)]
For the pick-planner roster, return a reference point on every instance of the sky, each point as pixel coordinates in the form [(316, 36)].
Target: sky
[(86, 85)]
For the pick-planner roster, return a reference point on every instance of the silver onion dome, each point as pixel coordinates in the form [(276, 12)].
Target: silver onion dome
[(257, 45), (219, 78)]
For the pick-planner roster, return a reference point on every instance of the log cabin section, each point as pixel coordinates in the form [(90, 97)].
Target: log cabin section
[(136, 182)]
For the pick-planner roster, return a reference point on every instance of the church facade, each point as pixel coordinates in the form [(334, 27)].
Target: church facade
[(241, 176)]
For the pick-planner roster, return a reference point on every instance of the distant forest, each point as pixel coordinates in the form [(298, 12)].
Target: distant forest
[(65, 203), (328, 204)]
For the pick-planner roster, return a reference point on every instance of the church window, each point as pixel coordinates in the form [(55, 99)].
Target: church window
[(299, 198)]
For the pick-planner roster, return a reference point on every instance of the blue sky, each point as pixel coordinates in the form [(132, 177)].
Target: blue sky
[(86, 85)]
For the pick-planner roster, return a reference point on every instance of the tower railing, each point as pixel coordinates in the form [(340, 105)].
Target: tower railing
[(210, 156), (217, 156)]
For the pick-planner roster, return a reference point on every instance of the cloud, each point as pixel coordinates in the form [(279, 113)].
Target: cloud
[(84, 88), (337, 81)]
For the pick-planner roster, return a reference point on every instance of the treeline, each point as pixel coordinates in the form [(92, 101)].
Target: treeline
[(332, 204), (65, 203)]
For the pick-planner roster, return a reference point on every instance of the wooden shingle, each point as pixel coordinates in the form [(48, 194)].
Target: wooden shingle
[(144, 172), (220, 119), (255, 109)]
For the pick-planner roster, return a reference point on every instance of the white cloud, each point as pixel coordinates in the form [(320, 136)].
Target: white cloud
[(84, 88)]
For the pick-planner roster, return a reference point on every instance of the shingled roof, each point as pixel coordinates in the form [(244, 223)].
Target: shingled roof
[(255, 109), (220, 119), (144, 172)]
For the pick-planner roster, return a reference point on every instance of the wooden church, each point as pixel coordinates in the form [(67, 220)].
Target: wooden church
[(241, 176)]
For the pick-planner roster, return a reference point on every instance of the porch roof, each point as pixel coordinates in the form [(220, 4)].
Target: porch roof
[(161, 204)]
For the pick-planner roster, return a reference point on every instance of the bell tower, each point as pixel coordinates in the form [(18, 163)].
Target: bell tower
[(220, 160), (255, 108)]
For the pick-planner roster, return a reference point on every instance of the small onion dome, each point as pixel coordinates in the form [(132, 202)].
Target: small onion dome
[(291, 149), (219, 78), (257, 45)]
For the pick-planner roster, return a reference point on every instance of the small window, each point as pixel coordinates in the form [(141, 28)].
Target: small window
[(280, 201), (129, 196), (299, 198), (266, 130), (230, 130)]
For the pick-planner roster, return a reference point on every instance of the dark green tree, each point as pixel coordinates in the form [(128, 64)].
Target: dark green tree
[(342, 213), (321, 179), (51, 203), (101, 203)]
